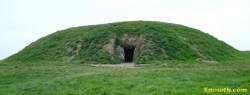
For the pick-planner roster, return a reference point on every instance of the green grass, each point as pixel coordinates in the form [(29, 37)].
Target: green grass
[(171, 78), (179, 43), (177, 72), (246, 52)]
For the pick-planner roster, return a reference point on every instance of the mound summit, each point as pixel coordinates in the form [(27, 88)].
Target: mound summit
[(132, 41)]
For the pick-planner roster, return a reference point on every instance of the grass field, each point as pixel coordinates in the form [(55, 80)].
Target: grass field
[(173, 78)]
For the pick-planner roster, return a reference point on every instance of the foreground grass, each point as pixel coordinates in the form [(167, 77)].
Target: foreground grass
[(161, 79)]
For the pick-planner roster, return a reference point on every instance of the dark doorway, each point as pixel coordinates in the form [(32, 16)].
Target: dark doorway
[(129, 53)]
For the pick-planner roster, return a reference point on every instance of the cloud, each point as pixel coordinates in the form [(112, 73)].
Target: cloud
[(136, 2)]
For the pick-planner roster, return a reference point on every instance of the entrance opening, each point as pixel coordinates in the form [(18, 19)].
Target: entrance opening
[(129, 54)]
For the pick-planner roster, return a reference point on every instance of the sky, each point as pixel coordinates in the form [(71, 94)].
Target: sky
[(25, 21)]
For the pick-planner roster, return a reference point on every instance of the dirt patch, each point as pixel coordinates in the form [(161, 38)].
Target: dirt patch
[(207, 61), (122, 65), (73, 49), (110, 46)]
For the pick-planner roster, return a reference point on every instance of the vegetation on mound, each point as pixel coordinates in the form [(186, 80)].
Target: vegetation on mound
[(156, 41)]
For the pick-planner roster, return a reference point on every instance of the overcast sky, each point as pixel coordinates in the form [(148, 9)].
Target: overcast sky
[(25, 21)]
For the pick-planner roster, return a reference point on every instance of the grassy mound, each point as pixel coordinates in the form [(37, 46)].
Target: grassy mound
[(153, 41)]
